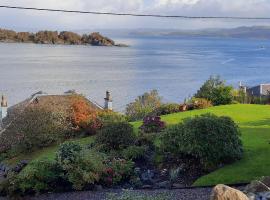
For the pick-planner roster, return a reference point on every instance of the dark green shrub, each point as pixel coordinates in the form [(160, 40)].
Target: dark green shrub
[(143, 105), (134, 152), (38, 176), (166, 109), (116, 136), (81, 167), (211, 139)]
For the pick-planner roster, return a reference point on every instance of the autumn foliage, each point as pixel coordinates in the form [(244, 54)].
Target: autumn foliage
[(85, 117)]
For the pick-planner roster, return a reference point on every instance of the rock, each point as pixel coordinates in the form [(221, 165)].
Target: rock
[(147, 177), (147, 187), (263, 196), (223, 192), (257, 186), (98, 187), (163, 185), (178, 186)]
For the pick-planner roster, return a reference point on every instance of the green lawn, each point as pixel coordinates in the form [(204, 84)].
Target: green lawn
[(254, 122)]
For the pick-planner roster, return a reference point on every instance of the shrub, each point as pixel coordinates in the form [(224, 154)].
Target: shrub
[(81, 167), (215, 90), (39, 176), (152, 125), (117, 171), (166, 109), (200, 103), (108, 117), (210, 139), (143, 105), (37, 128), (85, 117), (134, 152), (116, 136)]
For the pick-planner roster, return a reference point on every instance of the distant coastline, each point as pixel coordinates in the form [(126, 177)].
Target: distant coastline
[(55, 38)]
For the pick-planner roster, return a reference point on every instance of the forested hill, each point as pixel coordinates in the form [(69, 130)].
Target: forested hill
[(53, 37)]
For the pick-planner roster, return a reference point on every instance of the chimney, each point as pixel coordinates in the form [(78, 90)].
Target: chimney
[(4, 106), (108, 101)]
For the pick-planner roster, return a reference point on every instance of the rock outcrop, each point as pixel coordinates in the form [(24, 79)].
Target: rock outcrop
[(53, 37), (223, 192)]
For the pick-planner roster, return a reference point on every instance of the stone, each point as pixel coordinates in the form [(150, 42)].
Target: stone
[(147, 177), (163, 185), (147, 187), (178, 186), (263, 196), (257, 186), (98, 187), (223, 192)]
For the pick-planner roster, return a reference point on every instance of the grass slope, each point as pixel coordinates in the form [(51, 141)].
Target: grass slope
[(254, 122), (47, 153)]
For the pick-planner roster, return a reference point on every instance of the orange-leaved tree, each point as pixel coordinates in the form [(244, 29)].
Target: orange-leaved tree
[(85, 117)]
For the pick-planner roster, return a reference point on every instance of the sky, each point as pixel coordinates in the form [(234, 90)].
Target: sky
[(34, 20)]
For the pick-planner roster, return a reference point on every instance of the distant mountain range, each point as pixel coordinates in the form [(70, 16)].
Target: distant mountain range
[(260, 32)]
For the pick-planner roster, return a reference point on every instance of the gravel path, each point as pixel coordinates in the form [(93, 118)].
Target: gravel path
[(181, 194)]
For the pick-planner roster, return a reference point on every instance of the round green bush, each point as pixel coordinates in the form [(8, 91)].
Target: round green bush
[(116, 136), (212, 140)]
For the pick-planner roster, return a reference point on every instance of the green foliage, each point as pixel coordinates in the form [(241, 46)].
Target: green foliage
[(215, 90), (117, 171), (81, 167), (108, 117), (39, 176), (116, 136), (143, 105), (211, 139), (134, 152), (37, 128), (166, 109)]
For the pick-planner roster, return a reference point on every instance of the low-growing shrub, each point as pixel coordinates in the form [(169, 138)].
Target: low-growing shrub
[(39, 176), (200, 103), (108, 117), (210, 139), (116, 136), (81, 167), (152, 125), (166, 109), (134, 152), (117, 171)]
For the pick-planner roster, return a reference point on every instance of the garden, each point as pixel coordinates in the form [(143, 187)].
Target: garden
[(207, 140)]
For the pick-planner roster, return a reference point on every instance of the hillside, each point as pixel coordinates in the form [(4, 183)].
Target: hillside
[(256, 32), (254, 123)]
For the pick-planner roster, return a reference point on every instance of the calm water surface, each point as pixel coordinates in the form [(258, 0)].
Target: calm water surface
[(176, 67)]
